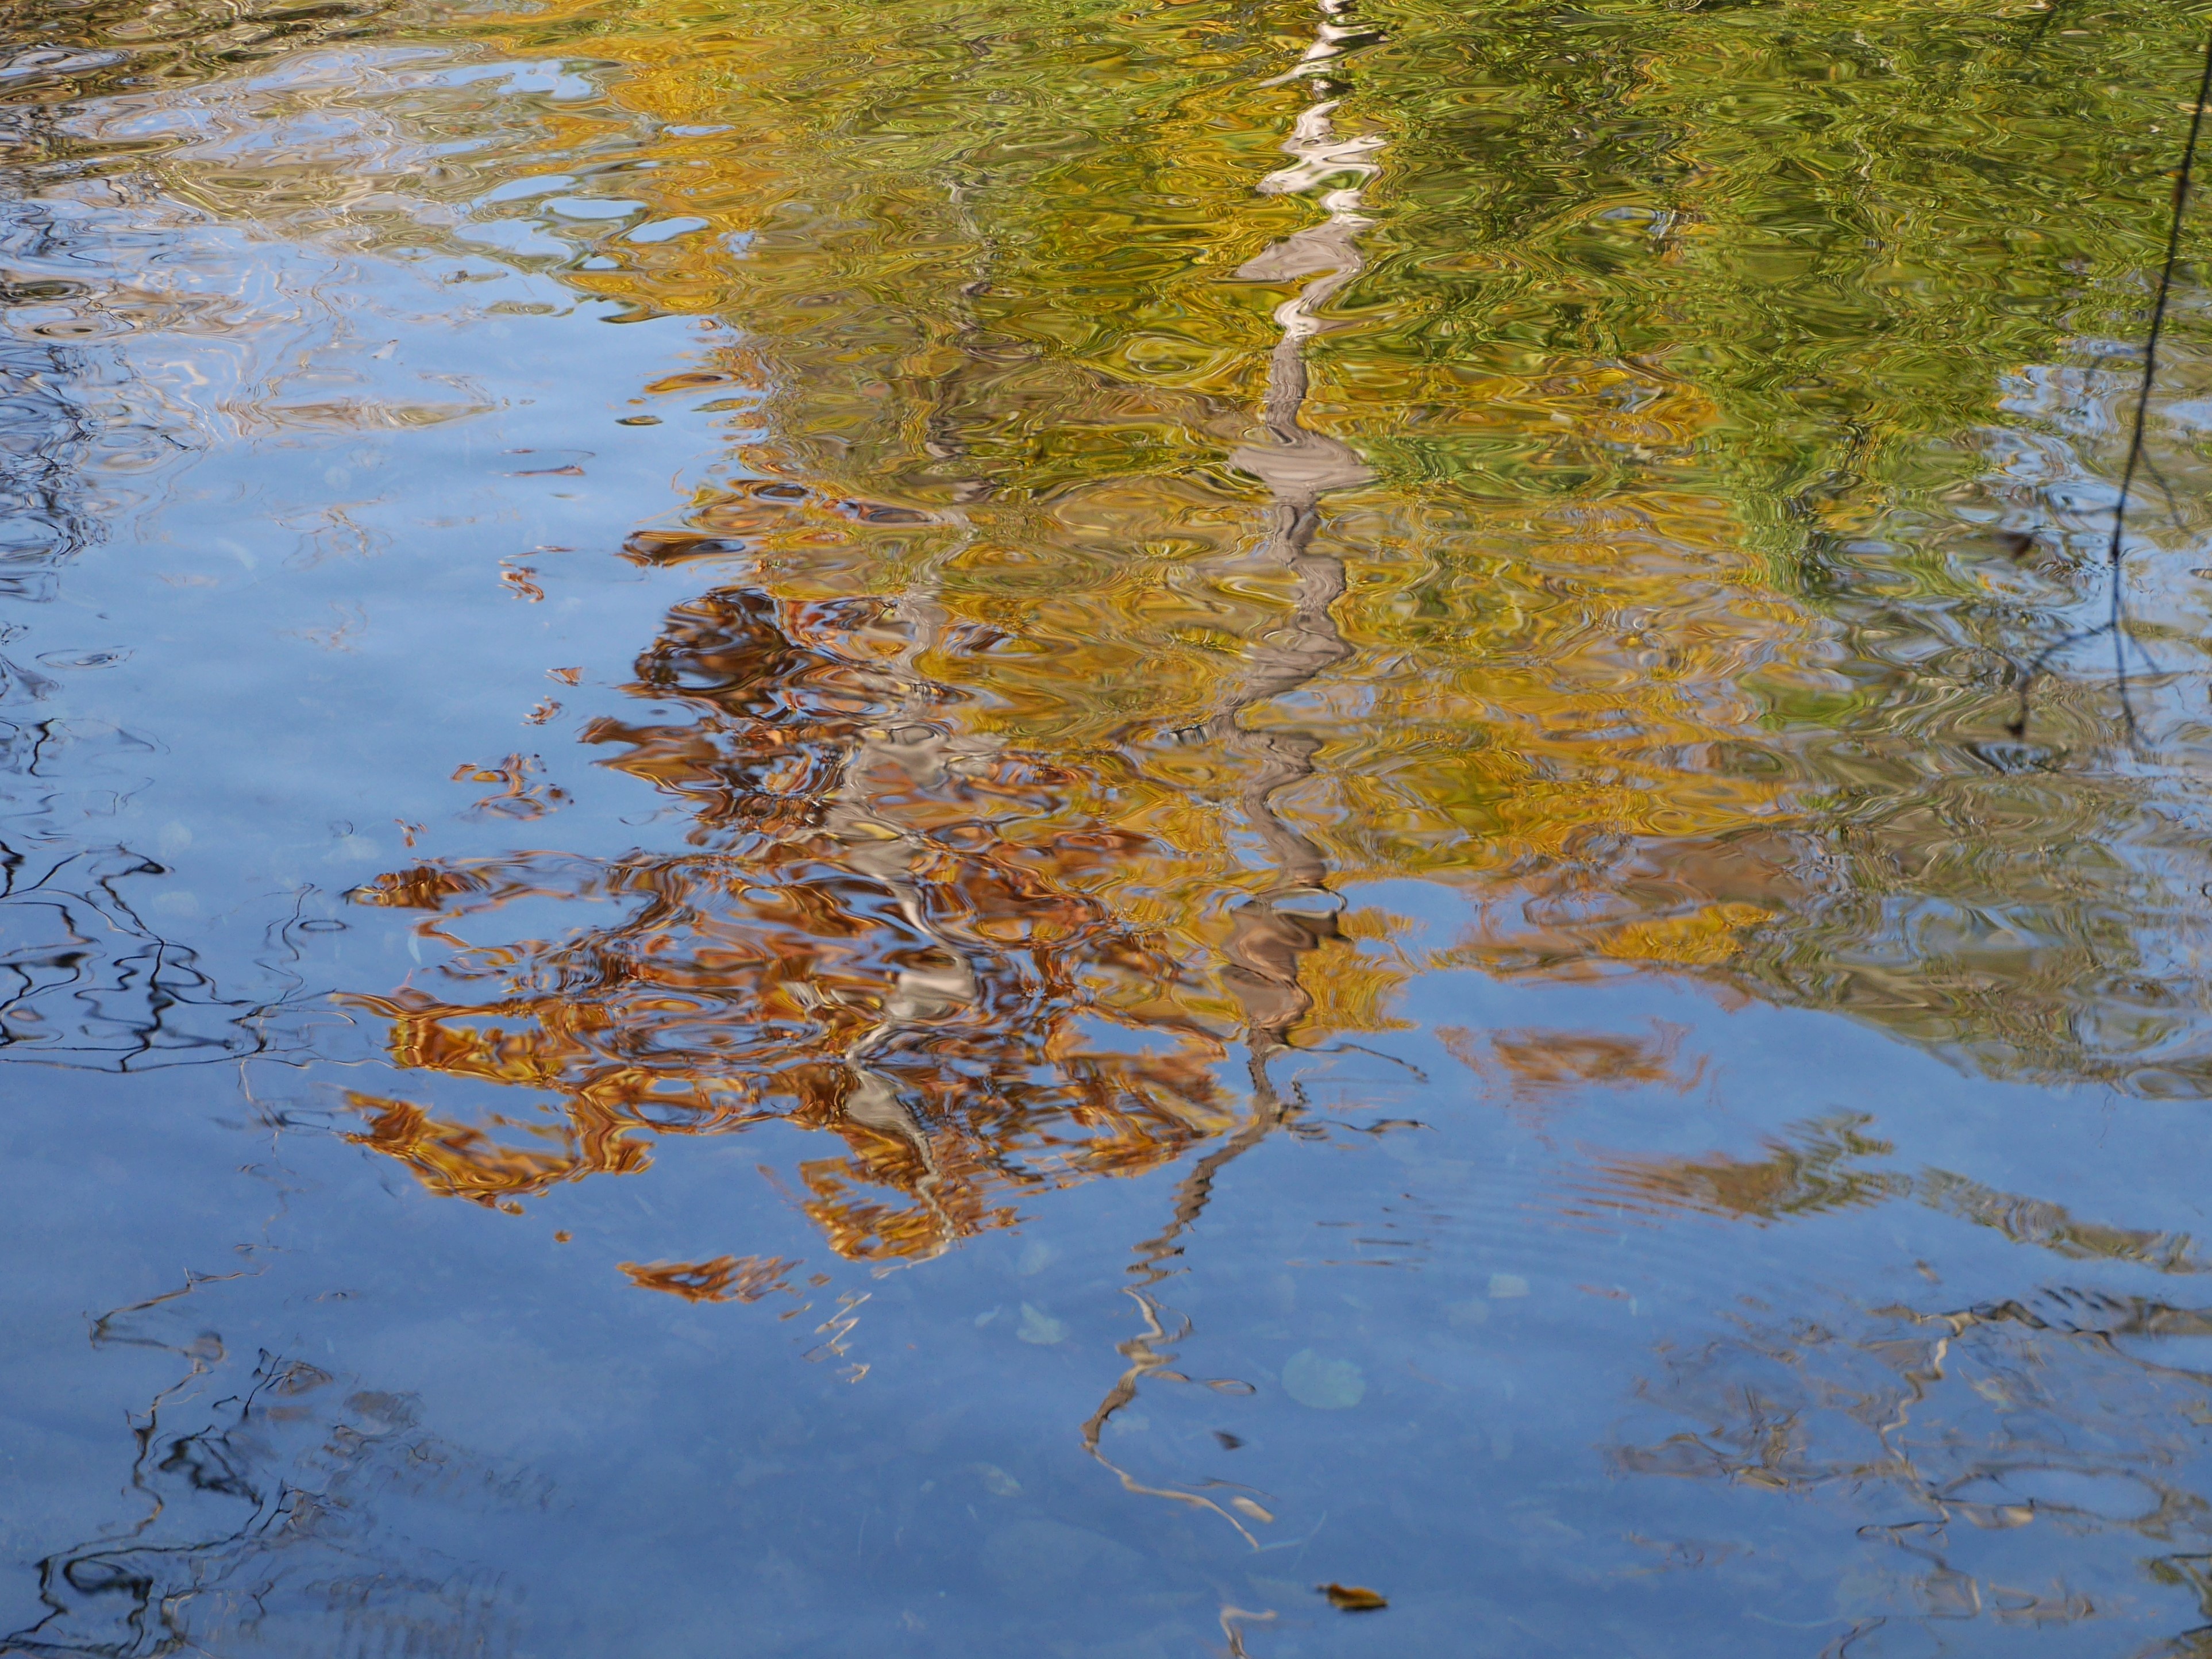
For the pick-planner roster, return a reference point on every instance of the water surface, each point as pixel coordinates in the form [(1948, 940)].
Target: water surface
[(992, 830)]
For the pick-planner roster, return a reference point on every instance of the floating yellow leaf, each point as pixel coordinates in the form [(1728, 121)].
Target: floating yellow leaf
[(1353, 1598)]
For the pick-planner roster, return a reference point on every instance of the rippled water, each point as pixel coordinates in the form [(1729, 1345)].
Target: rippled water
[(995, 830)]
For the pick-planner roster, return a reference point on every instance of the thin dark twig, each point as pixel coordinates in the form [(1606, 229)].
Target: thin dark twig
[(2036, 664), (2165, 489), (2116, 551)]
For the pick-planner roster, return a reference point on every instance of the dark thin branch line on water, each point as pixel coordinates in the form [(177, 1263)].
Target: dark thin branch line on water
[(2116, 553), (2115, 622)]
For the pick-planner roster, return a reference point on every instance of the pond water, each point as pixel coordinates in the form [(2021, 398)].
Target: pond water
[(991, 828)]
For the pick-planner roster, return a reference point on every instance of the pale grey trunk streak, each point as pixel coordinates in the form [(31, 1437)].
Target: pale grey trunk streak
[(1273, 933), (1298, 467)]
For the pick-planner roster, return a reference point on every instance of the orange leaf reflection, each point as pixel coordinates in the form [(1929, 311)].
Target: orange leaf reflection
[(724, 1279), (865, 940)]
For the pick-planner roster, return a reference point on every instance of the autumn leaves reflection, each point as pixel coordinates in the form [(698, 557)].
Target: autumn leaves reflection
[(894, 924), (878, 931)]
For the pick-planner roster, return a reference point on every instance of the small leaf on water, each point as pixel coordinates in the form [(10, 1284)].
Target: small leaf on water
[(1035, 1258), (691, 379), (1326, 1385), (1351, 1598), (1040, 1327)]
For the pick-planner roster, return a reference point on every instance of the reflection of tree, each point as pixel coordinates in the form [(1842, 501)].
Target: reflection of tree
[(1681, 605), (724, 1279), (1944, 525), (1533, 1073), (65, 990), (60, 56), (1684, 586), (883, 932), (1998, 1448), (262, 1525), (85, 982)]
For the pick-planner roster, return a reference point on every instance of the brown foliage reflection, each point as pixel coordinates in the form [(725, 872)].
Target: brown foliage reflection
[(725, 1278), (880, 930)]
